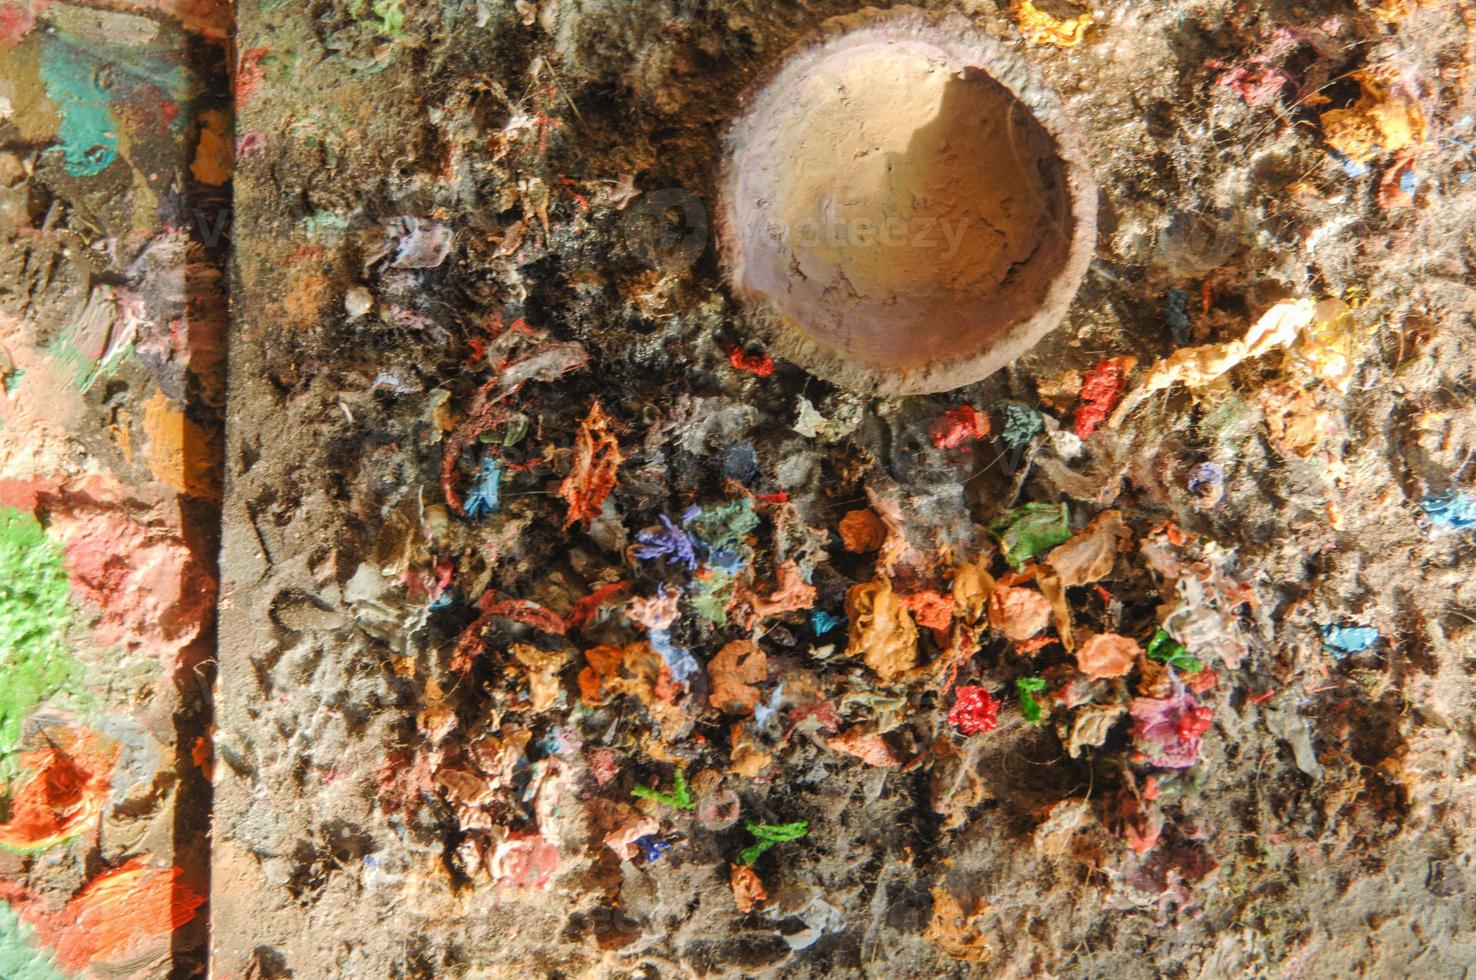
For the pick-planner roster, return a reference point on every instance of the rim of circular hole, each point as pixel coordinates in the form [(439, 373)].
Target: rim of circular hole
[(968, 47)]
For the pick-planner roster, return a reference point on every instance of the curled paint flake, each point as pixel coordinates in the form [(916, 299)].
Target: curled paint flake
[(597, 457), (486, 492)]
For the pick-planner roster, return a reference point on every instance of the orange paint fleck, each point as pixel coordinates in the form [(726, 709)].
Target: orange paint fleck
[(182, 454), (215, 155)]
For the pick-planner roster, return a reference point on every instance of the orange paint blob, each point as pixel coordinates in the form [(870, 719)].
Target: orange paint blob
[(182, 454), (65, 792)]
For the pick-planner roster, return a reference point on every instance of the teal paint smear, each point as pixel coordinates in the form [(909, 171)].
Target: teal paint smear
[(86, 79), (21, 957), (88, 132), (34, 615)]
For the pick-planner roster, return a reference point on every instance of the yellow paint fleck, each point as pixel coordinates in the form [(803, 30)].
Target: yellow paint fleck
[(182, 454), (1379, 122), (214, 155), (1040, 27)]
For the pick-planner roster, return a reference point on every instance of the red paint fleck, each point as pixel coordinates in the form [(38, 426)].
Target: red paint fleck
[(1263, 697), (249, 74), (1100, 391), (1193, 723), (18, 19), (585, 608), (760, 365), (773, 498), (958, 425), (974, 710)]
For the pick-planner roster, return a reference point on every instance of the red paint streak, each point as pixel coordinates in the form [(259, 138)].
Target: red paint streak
[(1263, 697), (525, 612), (759, 365), (569, 186), (1100, 391)]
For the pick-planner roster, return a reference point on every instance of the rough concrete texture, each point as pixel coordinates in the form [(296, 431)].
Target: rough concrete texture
[(458, 637)]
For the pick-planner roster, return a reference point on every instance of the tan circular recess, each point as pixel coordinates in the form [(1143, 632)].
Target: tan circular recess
[(904, 204)]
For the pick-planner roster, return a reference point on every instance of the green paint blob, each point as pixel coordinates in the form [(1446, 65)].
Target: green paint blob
[(389, 13), (21, 956), (1027, 531), (34, 616)]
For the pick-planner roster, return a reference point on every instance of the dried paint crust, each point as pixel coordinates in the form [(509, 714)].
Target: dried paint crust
[(394, 766)]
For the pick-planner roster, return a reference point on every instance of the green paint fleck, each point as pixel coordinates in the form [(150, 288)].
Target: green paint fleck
[(86, 77), (13, 381), (722, 526), (34, 616), (677, 799), (1027, 531), (710, 596), (768, 835), (1021, 424), (1166, 650), (391, 14), (21, 956), (1027, 688)]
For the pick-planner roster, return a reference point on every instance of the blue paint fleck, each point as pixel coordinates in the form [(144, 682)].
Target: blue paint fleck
[(823, 622), (679, 660), (653, 848), (1350, 167), (1453, 510), (486, 493), (1206, 480), (1407, 182), (1176, 314), (740, 461), (1344, 640), (668, 542)]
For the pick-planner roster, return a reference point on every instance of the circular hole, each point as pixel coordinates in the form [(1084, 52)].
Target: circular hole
[(910, 220)]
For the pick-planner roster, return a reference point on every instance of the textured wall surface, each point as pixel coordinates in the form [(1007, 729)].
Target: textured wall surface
[(115, 160)]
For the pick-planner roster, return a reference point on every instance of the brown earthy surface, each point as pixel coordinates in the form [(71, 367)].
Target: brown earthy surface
[(432, 726)]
